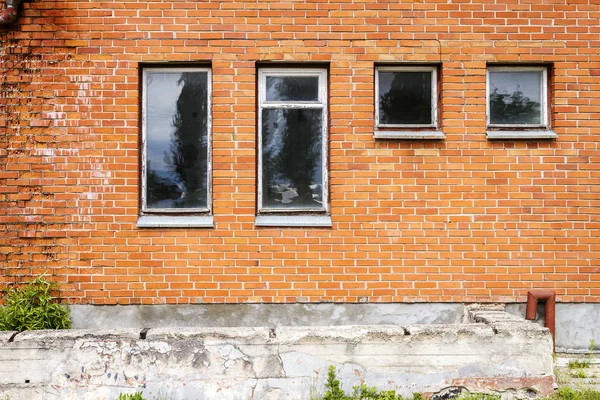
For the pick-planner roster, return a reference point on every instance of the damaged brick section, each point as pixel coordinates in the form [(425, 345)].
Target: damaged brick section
[(34, 214)]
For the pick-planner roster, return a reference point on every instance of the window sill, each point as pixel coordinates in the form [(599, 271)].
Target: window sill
[(522, 135), (306, 221), (410, 135), (175, 221)]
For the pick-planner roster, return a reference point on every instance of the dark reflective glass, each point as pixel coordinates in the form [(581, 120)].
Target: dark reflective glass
[(177, 140), (292, 88), (515, 98), (405, 98), (292, 158)]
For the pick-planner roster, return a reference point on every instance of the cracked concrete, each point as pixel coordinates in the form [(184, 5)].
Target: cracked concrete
[(494, 352)]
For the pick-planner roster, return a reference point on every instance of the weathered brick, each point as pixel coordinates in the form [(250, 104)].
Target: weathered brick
[(463, 219)]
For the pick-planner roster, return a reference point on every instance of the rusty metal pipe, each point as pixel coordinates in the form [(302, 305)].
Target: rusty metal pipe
[(9, 14), (549, 297)]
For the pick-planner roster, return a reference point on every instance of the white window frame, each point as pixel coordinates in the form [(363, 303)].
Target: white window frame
[(434, 95), (543, 96), (321, 103), (144, 208)]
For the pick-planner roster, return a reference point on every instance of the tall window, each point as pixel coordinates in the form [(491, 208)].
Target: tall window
[(406, 97), (176, 147), (292, 123), (517, 97)]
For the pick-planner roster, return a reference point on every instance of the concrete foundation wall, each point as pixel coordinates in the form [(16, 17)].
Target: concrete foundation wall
[(224, 315), (576, 323), (496, 351)]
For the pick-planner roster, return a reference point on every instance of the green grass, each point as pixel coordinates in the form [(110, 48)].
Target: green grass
[(574, 364), (579, 374), (31, 306), (567, 393), (131, 396), (334, 391)]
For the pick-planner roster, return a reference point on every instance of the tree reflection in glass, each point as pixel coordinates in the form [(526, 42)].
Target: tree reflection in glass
[(292, 88), (177, 140), (292, 146), (515, 98)]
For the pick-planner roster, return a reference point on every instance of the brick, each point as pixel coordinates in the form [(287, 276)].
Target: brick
[(463, 219)]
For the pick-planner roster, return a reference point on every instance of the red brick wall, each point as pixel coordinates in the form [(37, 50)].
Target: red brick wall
[(463, 219)]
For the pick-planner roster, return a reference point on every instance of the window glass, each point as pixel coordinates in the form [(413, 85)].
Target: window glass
[(515, 97), (292, 167), (292, 170), (405, 98), (176, 140), (292, 88)]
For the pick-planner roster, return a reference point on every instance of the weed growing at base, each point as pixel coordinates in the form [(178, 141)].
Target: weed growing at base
[(364, 392), (334, 391), (574, 364), (31, 307), (131, 396), (567, 393)]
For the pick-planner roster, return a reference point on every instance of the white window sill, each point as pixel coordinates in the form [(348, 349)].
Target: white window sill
[(523, 135), (306, 221), (408, 134), (175, 221)]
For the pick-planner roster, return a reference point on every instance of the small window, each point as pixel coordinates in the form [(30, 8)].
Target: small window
[(406, 97), (406, 102), (176, 150), (517, 97), (517, 100), (292, 140)]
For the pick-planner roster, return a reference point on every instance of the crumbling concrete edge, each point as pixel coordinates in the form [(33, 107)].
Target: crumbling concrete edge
[(506, 324), (487, 327)]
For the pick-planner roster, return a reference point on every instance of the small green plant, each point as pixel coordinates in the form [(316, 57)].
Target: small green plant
[(575, 364), (131, 396), (579, 374), (567, 393), (592, 346), (361, 392), (31, 306), (333, 386)]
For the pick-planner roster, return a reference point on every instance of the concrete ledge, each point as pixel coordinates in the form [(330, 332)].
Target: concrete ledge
[(454, 330), (238, 335), (175, 221), (260, 363), (338, 334), (522, 135), (308, 221), (410, 135), (5, 336), (76, 334)]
